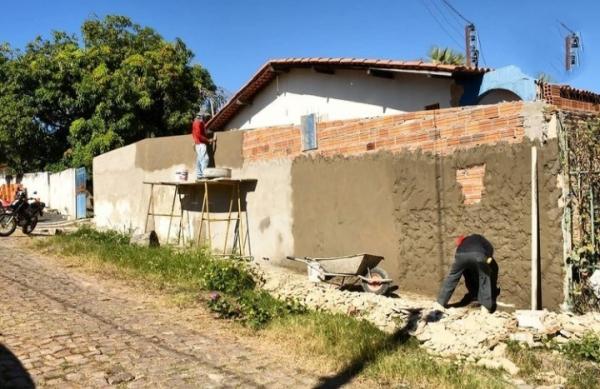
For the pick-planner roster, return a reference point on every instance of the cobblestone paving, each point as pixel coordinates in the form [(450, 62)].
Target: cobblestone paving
[(66, 331)]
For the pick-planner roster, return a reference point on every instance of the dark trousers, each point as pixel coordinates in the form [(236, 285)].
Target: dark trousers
[(480, 279)]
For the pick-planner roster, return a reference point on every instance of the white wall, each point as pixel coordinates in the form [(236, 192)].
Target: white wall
[(346, 94), (38, 182), (56, 190), (62, 193)]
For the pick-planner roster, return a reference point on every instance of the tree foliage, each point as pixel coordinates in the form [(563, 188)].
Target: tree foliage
[(445, 55), (65, 99)]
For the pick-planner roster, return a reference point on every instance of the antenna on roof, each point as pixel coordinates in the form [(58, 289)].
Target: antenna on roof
[(573, 48)]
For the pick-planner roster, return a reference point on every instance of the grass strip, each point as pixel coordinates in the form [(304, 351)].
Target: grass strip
[(354, 348)]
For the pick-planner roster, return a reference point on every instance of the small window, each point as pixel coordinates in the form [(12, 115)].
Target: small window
[(308, 126)]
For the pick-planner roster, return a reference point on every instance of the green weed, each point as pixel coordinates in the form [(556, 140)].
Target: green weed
[(587, 348)]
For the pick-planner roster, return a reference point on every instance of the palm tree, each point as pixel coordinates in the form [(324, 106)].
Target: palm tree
[(446, 56), (545, 78)]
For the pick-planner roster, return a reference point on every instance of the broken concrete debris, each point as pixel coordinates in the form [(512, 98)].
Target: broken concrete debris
[(461, 333)]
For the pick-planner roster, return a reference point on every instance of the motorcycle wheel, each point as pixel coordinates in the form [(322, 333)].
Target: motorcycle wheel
[(29, 227), (8, 224)]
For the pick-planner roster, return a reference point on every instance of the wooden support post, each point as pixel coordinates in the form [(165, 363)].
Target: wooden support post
[(171, 214), (180, 235), (240, 222), (208, 215), (204, 200), (228, 220), (149, 207)]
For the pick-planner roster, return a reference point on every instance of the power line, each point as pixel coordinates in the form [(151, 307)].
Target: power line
[(565, 27), (440, 24), (481, 50), (449, 23), (456, 12)]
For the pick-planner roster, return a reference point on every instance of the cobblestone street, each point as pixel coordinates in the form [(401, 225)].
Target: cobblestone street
[(63, 328)]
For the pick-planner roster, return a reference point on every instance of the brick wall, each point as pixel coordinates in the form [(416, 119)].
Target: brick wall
[(439, 131), (471, 183), (571, 99)]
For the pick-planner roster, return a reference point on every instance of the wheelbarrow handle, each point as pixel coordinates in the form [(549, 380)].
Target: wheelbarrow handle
[(299, 259)]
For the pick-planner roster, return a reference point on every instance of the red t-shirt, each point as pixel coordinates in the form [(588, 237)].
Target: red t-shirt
[(199, 132)]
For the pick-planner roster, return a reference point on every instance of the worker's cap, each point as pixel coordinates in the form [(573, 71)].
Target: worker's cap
[(459, 239)]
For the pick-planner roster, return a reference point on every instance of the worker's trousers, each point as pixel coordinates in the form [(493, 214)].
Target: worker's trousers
[(201, 159), (480, 279)]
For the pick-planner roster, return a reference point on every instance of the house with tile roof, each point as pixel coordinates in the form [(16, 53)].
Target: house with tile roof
[(394, 158), (283, 90)]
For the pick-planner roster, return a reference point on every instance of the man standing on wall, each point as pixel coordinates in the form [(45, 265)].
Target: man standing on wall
[(473, 259), (201, 142)]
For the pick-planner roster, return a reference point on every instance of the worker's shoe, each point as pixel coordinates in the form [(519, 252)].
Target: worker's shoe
[(438, 307)]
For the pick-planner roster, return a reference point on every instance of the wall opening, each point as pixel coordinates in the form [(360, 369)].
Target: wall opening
[(471, 182)]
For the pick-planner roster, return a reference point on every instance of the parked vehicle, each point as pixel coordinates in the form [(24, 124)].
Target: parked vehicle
[(3, 205), (22, 212)]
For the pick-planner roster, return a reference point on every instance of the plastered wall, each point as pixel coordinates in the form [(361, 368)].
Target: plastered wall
[(409, 207)]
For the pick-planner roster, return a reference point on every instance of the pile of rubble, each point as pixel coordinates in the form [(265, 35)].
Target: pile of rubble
[(462, 333)]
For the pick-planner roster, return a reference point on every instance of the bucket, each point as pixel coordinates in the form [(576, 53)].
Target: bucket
[(181, 175)]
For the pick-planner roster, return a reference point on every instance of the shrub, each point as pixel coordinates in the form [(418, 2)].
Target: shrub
[(254, 308), (587, 348), (226, 276)]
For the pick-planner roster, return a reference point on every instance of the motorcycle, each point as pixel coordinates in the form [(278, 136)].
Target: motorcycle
[(22, 212)]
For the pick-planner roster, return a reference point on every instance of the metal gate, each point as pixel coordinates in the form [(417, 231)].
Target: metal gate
[(81, 193)]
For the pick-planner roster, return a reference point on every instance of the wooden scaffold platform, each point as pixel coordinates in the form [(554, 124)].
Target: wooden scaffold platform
[(240, 242)]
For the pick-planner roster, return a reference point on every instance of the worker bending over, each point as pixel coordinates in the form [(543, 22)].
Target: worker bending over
[(474, 259)]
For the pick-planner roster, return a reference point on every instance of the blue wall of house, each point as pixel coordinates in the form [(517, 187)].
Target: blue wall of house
[(509, 78)]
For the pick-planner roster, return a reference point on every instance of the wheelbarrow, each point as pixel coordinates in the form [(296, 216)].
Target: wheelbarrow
[(359, 267)]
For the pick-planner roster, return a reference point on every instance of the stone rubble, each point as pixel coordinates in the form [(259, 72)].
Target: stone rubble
[(462, 333)]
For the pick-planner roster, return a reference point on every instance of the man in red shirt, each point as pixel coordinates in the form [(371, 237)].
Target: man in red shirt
[(201, 141)]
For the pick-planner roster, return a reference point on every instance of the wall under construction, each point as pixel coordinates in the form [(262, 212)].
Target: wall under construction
[(400, 186)]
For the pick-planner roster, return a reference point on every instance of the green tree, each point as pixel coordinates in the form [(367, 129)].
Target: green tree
[(65, 100), (445, 55)]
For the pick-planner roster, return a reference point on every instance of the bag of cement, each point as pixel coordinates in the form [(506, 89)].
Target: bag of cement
[(595, 282)]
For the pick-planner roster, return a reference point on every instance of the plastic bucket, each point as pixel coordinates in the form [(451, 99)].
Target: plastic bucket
[(181, 175)]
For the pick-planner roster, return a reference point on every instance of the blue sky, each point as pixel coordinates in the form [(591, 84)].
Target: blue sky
[(233, 38)]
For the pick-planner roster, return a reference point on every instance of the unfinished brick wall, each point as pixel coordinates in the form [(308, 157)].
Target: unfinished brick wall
[(471, 183), (570, 99), (440, 131)]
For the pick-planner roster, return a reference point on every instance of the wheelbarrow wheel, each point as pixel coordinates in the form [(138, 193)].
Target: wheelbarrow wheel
[(374, 286)]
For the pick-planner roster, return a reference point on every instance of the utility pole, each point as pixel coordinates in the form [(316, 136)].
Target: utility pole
[(572, 48), (471, 49)]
